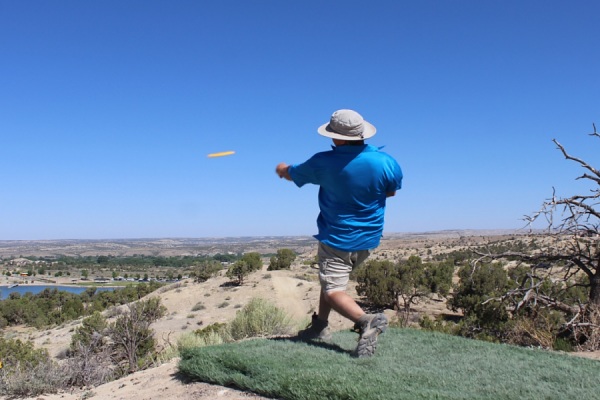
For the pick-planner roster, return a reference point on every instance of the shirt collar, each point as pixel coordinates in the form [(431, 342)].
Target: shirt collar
[(355, 149)]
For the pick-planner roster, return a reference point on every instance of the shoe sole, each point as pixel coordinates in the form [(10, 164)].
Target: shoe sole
[(367, 343)]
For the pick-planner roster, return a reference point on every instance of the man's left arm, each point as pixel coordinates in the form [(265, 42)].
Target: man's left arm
[(395, 183)]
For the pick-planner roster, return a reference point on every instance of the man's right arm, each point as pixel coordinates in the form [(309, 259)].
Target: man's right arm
[(283, 171)]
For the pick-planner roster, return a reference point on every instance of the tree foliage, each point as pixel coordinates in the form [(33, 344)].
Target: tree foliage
[(87, 334), (282, 260), (476, 295), (239, 271), (131, 337), (206, 269), (402, 284), (253, 260)]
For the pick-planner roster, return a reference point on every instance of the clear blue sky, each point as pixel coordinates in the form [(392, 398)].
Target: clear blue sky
[(109, 108)]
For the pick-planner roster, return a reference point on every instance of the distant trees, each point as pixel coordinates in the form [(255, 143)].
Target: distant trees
[(239, 270), (254, 261), (52, 307), (282, 260)]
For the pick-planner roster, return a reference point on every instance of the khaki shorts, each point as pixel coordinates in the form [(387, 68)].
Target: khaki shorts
[(335, 266)]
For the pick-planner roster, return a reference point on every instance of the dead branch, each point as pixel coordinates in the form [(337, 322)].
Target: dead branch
[(579, 161)]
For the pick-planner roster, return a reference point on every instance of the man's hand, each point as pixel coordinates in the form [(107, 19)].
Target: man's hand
[(282, 170)]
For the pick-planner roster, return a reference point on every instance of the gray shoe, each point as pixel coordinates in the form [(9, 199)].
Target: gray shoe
[(316, 330), (369, 327)]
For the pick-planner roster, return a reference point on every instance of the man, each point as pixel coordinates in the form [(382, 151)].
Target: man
[(355, 180)]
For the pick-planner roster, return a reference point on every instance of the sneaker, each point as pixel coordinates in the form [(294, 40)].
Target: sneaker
[(371, 326), (316, 330)]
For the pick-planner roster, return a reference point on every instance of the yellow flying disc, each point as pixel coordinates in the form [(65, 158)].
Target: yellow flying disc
[(221, 154)]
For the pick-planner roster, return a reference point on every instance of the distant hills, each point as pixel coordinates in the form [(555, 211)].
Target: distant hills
[(199, 246)]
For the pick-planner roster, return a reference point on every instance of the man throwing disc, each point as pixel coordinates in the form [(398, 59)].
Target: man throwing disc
[(354, 179)]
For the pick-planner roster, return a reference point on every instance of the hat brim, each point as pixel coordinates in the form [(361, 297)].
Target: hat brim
[(368, 131)]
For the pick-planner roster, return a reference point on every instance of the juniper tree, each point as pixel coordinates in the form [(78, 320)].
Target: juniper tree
[(568, 255)]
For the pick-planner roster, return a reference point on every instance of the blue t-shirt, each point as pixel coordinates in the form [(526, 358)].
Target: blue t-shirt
[(354, 182)]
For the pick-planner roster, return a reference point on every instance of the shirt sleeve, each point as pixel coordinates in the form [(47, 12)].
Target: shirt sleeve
[(395, 176), (304, 173)]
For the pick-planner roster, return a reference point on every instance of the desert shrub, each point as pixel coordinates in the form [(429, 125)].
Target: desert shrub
[(25, 379), (477, 295), (209, 338), (238, 271), (259, 318), (132, 339), (206, 270), (216, 328), (14, 352), (27, 371), (189, 340), (88, 333), (400, 285), (89, 365), (587, 334), (438, 324), (377, 282), (282, 260), (491, 299), (253, 260), (531, 332), (199, 306)]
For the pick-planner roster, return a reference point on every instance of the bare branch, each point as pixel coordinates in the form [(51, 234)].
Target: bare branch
[(578, 160)]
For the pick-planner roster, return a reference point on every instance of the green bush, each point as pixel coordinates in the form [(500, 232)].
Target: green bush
[(253, 260), (131, 335), (259, 318), (283, 260), (238, 271), (477, 292), (207, 269), (15, 353), (27, 371), (400, 285), (90, 327)]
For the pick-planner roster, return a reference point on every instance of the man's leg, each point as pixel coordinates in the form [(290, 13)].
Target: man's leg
[(335, 267), (341, 302)]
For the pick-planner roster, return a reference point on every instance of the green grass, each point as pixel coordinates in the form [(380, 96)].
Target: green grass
[(409, 364)]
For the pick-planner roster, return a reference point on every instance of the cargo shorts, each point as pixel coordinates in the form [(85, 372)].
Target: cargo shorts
[(335, 266)]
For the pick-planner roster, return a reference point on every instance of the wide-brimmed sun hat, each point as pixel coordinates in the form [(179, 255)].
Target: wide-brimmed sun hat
[(347, 125)]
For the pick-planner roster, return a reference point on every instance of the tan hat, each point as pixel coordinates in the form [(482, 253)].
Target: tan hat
[(347, 125)]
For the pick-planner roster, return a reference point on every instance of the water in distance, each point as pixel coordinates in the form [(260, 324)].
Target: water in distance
[(5, 291)]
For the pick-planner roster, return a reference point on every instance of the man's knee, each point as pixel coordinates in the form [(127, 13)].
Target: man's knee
[(332, 295)]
